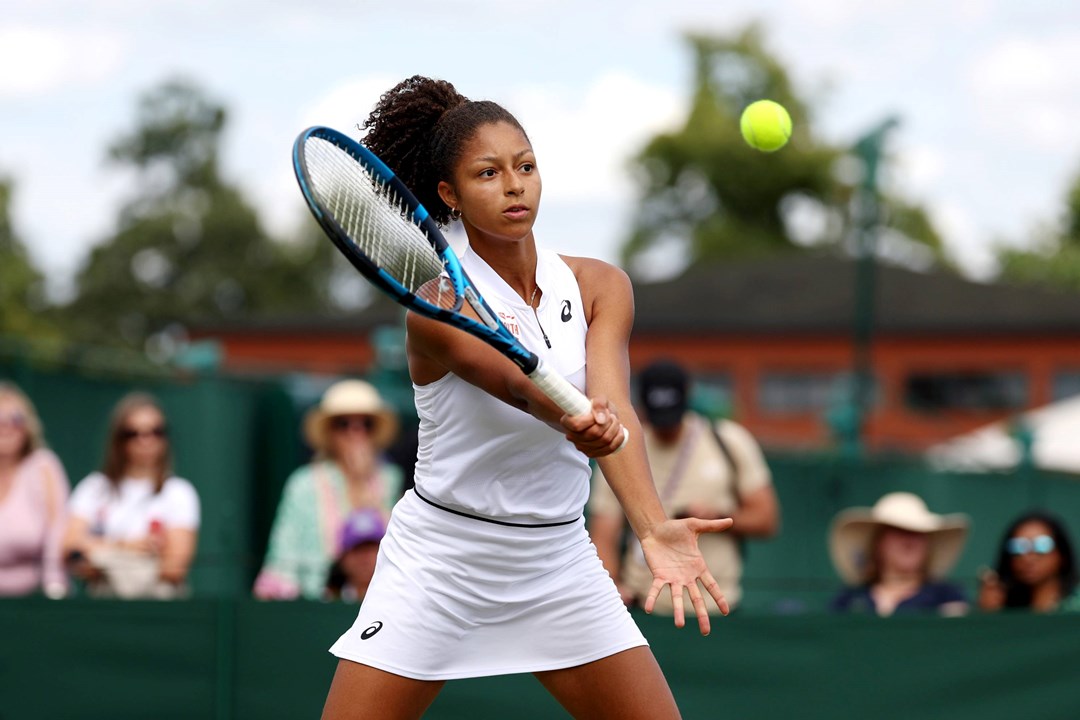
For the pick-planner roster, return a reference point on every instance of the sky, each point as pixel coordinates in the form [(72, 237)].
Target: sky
[(987, 93)]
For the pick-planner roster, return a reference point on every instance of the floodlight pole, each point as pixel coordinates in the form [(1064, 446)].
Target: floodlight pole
[(867, 212)]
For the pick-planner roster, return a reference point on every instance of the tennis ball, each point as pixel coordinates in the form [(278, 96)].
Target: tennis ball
[(765, 125)]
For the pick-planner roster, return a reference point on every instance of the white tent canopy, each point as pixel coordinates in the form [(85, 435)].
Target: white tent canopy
[(1055, 429)]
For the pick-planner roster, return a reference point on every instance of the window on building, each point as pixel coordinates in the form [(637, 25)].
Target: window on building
[(1066, 384), (713, 395), (966, 390), (793, 392)]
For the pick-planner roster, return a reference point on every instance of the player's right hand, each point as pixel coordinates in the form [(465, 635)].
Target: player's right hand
[(597, 433)]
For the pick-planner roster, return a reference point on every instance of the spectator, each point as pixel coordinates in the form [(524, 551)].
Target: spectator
[(351, 573), (33, 491), (349, 430), (1036, 569), (895, 556), (133, 526), (701, 469)]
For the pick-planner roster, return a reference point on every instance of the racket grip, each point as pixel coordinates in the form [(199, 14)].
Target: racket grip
[(565, 395), (560, 390)]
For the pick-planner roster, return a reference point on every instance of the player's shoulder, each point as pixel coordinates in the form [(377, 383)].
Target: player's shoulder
[(591, 272)]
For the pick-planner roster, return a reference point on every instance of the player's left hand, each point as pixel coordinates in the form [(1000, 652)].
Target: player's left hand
[(671, 551)]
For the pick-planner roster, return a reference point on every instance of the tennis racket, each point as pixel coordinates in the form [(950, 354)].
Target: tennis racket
[(377, 223)]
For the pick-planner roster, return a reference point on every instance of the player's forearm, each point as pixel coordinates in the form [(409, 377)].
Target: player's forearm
[(628, 474)]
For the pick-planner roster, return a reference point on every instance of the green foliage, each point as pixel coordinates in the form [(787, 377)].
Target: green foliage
[(188, 247), (1054, 259), (705, 188), (22, 286)]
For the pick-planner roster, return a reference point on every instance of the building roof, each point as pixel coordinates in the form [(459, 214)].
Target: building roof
[(791, 293), (813, 293)]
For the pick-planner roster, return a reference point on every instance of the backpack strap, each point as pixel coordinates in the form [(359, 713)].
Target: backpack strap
[(722, 444), (734, 464)]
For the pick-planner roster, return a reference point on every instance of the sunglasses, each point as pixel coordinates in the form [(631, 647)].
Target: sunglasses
[(352, 422), (130, 433), (14, 419), (1040, 545)]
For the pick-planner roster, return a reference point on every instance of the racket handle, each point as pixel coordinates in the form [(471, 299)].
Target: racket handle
[(562, 393), (565, 395)]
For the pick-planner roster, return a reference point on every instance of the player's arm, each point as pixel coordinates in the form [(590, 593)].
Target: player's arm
[(609, 310), (435, 348), (670, 546)]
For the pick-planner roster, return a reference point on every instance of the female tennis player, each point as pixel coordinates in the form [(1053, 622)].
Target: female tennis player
[(487, 568)]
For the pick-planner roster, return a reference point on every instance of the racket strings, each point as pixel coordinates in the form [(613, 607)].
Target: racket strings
[(378, 221)]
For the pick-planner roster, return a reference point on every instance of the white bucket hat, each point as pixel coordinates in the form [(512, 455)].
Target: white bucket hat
[(350, 397), (854, 530)]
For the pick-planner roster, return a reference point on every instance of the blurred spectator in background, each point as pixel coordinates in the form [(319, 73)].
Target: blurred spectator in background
[(133, 526), (351, 573), (349, 430), (701, 469), (895, 556), (33, 492), (1036, 569)]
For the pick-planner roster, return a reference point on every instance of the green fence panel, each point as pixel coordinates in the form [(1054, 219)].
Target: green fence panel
[(234, 660)]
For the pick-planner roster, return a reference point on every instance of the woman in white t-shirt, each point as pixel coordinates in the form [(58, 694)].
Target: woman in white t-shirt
[(133, 526)]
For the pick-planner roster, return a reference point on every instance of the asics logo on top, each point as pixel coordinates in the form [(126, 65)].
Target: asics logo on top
[(371, 630), (566, 311)]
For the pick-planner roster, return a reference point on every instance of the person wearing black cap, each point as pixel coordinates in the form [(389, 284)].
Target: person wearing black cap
[(701, 469)]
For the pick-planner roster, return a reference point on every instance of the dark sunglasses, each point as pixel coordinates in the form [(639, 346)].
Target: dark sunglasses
[(1040, 545), (343, 423), (130, 434), (14, 419)]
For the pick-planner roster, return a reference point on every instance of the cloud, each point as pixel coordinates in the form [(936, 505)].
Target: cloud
[(1025, 88), (49, 59), (348, 103), (584, 139)]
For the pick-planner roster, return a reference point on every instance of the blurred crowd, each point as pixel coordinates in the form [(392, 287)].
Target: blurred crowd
[(130, 529)]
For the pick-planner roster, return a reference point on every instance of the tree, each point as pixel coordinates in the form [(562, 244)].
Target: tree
[(188, 246), (1054, 259), (705, 190), (22, 286)]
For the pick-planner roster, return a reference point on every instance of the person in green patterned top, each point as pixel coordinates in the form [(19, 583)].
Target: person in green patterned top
[(349, 430)]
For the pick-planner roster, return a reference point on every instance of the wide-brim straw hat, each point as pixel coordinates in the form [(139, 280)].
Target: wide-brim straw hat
[(350, 397), (854, 530)]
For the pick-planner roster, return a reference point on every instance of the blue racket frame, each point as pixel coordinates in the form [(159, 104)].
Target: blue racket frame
[(491, 330)]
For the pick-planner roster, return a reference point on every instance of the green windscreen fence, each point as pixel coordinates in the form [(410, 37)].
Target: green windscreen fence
[(237, 439), (221, 655), (232, 660)]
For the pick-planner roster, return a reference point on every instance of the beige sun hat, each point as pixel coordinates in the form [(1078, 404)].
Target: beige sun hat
[(350, 397), (854, 530)]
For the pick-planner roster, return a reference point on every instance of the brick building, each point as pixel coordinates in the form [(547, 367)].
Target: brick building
[(773, 339)]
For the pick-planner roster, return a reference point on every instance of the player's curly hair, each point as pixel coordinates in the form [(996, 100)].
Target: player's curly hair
[(418, 128)]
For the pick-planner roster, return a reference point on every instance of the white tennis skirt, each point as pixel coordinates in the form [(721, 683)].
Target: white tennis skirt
[(456, 597)]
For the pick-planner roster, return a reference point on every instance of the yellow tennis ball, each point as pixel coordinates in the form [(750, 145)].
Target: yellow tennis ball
[(765, 125)]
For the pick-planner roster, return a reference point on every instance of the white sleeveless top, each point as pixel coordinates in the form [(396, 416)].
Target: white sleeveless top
[(479, 456)]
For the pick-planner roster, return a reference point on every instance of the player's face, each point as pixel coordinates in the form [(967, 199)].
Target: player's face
[(13, 433), (496, 183)]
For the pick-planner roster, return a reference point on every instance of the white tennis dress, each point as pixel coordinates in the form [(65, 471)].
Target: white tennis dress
[(486, 567)]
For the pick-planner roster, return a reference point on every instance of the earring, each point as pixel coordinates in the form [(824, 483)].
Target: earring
[(455, 214)]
